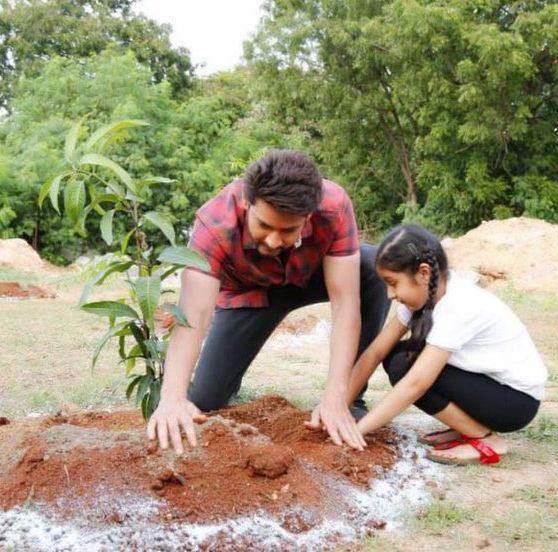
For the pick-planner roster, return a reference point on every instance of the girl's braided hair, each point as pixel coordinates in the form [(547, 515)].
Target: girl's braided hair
[(404, 249)]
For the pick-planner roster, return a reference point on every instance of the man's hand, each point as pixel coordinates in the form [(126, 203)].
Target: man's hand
[(333, 414), (170, 418)]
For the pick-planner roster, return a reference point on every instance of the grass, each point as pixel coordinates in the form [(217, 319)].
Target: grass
[(543, 430), (46, 352), (439, 516)]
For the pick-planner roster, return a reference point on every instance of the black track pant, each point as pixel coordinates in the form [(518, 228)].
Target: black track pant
[(496, 406), (237, 335)]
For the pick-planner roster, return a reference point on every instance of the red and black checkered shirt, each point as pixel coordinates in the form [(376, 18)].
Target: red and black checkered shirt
[(221, 235)]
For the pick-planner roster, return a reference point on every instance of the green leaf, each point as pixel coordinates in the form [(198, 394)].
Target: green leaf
[(162, 223), (71, 142), (130, 364), (112, 332), (106, 226), (122, 347), (178, 314), (148, 292), (183, 256), (157, 180), (151, 345), (110, 308), (51, 187), (100, 277), (102, 161), (145, 406), (80, 223), (101, 198), (164, 271), (116, 189), (130, 389), (125, 240), (154, 180), (143, 387), (155, 395), (107, 131), (74, 199)]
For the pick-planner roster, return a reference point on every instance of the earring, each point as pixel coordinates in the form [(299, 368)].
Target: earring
[(298, 242)]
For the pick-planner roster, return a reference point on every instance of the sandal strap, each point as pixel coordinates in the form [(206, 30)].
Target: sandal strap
[(487, 454), (449, 444)]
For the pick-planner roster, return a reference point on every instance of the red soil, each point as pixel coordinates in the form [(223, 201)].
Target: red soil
[(252, 457), (22, 291)]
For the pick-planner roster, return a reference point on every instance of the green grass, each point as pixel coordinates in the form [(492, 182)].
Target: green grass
[(439, 516), (543, 430), (539, 302), (541, 496), (524, 526)]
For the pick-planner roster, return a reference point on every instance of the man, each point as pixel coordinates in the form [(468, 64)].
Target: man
[(280, 239)]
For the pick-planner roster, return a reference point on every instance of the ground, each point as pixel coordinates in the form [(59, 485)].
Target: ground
[(46, 351)]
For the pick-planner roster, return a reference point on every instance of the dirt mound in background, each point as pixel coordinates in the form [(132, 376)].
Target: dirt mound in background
[(522, 251), (252, 458), (17, 254)]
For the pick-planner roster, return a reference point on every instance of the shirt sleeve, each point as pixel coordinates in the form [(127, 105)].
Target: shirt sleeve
[(345, 241), (206, 244)]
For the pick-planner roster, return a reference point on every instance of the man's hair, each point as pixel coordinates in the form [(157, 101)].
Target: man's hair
[(286, 179)]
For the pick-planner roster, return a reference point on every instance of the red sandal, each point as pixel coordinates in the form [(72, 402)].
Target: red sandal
[(487, 455)]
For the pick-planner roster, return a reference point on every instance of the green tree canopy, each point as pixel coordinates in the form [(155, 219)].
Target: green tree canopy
[(34, 31), (446, 110), (201, 143)]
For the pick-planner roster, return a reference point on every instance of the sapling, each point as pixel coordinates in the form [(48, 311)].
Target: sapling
[(91, 183)]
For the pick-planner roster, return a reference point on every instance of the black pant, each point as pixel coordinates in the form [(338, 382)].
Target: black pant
[(237, 335), (494, 405)]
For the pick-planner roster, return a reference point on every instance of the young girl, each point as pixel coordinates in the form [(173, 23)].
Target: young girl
[(469, 361)]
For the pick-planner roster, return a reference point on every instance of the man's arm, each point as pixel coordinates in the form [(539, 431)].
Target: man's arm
[(342, 279), (198, 295)]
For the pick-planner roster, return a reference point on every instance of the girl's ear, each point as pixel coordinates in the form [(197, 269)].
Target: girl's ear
[(423, 273)]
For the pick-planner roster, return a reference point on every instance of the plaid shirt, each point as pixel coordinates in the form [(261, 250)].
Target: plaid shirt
[(221, 235)]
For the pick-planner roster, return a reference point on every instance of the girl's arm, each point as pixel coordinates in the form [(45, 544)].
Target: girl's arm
[(414, 385), (373, 355)]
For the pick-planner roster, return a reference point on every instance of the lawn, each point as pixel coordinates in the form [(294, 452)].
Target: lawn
[(45, 364)]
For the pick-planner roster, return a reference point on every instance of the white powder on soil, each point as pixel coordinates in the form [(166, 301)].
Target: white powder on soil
[(391, 497)]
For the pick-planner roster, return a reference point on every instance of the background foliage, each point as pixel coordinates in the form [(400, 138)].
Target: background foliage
[(441, 111)]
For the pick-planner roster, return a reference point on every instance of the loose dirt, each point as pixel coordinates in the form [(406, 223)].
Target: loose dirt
[(521, 251), (95, 470), (15, 290), (17, 254)]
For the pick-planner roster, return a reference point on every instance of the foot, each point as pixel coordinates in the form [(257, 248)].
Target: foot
[(466, 453), (438, 437)]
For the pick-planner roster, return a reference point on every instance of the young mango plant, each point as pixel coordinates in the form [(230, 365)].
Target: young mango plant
[(92, 183)]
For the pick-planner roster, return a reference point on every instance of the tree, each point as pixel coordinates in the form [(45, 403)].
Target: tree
[(445, 111), (34, 31), (201, 143)]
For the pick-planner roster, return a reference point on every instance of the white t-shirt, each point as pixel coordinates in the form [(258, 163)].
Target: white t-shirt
[(484, 336)]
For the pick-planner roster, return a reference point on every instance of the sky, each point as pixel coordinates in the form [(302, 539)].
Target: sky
[(213, 30)]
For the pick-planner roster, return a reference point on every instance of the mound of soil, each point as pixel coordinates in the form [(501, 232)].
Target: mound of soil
[(252, 458), (15, 290), (522, 251), (17, 254)]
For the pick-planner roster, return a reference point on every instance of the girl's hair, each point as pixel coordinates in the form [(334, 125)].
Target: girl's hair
[(404, 249)]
